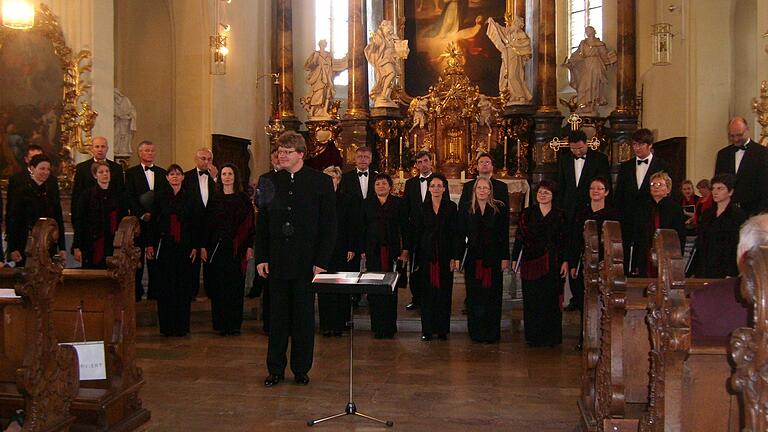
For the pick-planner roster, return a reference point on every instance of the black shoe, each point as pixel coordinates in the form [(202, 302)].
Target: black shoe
[(442, 336), (327, 333), (301, 379), (426, 337), (571, 307), (579, 347), (411, 306), (378, 335), (273, 380), (337, 333)]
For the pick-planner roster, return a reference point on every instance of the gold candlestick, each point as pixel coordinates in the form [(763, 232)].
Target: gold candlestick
[(401, 152), (505, 171), (415, 146), (386, 154)]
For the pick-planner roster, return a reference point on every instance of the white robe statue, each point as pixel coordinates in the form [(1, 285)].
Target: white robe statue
[(383, 52), (125, 124), (321, 69), (515, 47), (588, 65)]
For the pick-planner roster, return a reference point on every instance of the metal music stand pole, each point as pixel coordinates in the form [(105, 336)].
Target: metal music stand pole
[(351, 408)]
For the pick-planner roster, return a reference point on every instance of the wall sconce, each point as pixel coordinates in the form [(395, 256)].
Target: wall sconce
[(218, 42), (662, 44), (18, 14)]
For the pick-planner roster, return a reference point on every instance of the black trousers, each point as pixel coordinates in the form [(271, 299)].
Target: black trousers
[(260, 288), (577, 289), (541, 310), (150, 265), (292, 317), (333, 310), (484, 306), (195, 279), (417, 279), (173, 301), (436, 305), (383, 310), (227, 290)]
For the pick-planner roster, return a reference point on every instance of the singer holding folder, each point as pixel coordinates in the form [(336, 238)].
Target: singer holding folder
[(385, 230), (227, 247), (542, 239), (484, 222)]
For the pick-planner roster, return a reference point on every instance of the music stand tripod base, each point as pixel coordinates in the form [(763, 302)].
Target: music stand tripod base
[(351, 408)]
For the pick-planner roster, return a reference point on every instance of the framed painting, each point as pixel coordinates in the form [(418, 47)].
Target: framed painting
[(430, 25)]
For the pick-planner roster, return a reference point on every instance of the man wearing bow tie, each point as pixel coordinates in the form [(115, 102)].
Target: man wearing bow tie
[(199, 182), (140, 180), (748, 161), (84, 179), (633, 188), (576, 169), (415, 193)]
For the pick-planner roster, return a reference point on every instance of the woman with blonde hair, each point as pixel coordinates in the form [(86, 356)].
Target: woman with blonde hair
[(485, 225)]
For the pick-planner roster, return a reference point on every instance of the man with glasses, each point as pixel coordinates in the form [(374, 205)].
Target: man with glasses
[(575, 171), (748, 162), (633, 187)]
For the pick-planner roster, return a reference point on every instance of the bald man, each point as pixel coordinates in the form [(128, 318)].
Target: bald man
[(83, 177), (748, 161), (200, 183)]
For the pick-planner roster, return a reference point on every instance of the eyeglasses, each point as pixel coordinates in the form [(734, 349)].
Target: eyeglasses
[(285, 152), (658, 184), (544, 192), (600, 188), (482, 188)]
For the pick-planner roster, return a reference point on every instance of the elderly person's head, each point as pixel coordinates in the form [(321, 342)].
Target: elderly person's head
[(753, 233), (661, 185), (335, 173)]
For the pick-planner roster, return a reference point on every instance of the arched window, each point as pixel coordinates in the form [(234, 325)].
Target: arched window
[(583, 13), (331, 18)]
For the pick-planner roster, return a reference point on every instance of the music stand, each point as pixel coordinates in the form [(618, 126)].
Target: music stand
[(354, 283)]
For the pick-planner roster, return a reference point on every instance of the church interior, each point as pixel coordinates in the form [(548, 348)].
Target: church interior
[(467, 77)]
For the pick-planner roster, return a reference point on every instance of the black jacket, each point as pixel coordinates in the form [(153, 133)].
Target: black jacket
[(717, 242), (627, 198), (136, 185), (570, 196), (435, 237), (670, 217), (184, 209), (31, 202), (93, 217), (84, 180), (297, 228), (486, 236), (751, 187), (385, 225)]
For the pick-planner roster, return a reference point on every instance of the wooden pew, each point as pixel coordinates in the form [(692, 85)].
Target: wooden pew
[(590, 326), (689, 372), (108, 307), (749, 346), (36, 373)]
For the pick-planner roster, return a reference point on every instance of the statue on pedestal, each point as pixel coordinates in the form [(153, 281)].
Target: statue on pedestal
[(418, 111), (515, 47), (588, 66), (321, 69), (125, 124), (383, 52)]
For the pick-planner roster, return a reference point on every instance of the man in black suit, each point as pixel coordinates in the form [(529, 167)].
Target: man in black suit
[(84, 179), (296, 235), (263, 194), (575, 171), (139, 181), (414, 194), (633, 188), (485, 169), (200, 182), (748, 162), (17, 180)]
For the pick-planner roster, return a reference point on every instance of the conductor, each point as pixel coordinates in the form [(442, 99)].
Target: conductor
[(296, 235)]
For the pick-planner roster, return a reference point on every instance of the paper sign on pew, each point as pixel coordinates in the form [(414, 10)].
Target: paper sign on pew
[(92, 361), (8, 293)]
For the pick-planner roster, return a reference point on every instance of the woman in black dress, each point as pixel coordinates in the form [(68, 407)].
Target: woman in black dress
[(36, 197), (660, 211), (99, 212), (173, 243), (485, 225), (541, 240), (435, 248), (227, 248), (333, 309), (385, 233), (718, 238)]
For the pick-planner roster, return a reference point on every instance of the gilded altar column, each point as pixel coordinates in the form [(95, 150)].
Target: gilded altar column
[(547, 119), (624, 119), (282, 61), (355, 122)]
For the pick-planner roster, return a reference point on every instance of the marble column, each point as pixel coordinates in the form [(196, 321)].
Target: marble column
[(355, 120), (282, 61), (624, 119), (548, 119)]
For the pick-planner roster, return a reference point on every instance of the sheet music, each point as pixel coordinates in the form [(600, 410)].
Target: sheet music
[(372, 276)]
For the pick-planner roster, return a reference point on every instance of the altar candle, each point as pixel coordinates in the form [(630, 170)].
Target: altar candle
[(489, 141), (401, 151), (519, 154), (506, 144), (463, 175), (386, 152), (415, 145), (401, 175)]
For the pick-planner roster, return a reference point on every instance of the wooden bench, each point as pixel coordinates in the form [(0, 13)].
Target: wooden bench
[(36, 373), (106, 298), (689, 368), (749, 346)]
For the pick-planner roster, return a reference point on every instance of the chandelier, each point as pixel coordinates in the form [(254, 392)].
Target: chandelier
[(218, 41), (18, 14)]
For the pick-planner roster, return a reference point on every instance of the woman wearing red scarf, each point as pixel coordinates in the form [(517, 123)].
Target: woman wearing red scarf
[(435, 245), (173, 243), (541, 241), (485, 225)]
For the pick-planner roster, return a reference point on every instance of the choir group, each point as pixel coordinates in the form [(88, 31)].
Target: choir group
[(203, 219)]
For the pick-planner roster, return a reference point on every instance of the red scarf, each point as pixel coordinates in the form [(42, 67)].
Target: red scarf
[(483, 274)]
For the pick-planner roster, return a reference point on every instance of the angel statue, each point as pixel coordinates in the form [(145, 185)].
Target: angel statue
[(321, 68), (485, 111), (418, 111), (383, 52), (515, 47)]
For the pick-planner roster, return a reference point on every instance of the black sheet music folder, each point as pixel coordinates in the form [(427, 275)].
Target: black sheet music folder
[(355, 283)]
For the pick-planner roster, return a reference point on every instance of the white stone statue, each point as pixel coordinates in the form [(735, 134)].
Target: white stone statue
[(484, 111), (125, 124), (383, 52), (589, 76), (418, 111), (321, 68), (515, 47)]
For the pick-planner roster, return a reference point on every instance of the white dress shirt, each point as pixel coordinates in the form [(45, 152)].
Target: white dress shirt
[(363, 179), (642, 169), (578, 167), (203, 182), (424, 186), (150, 175), (738, 156)]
